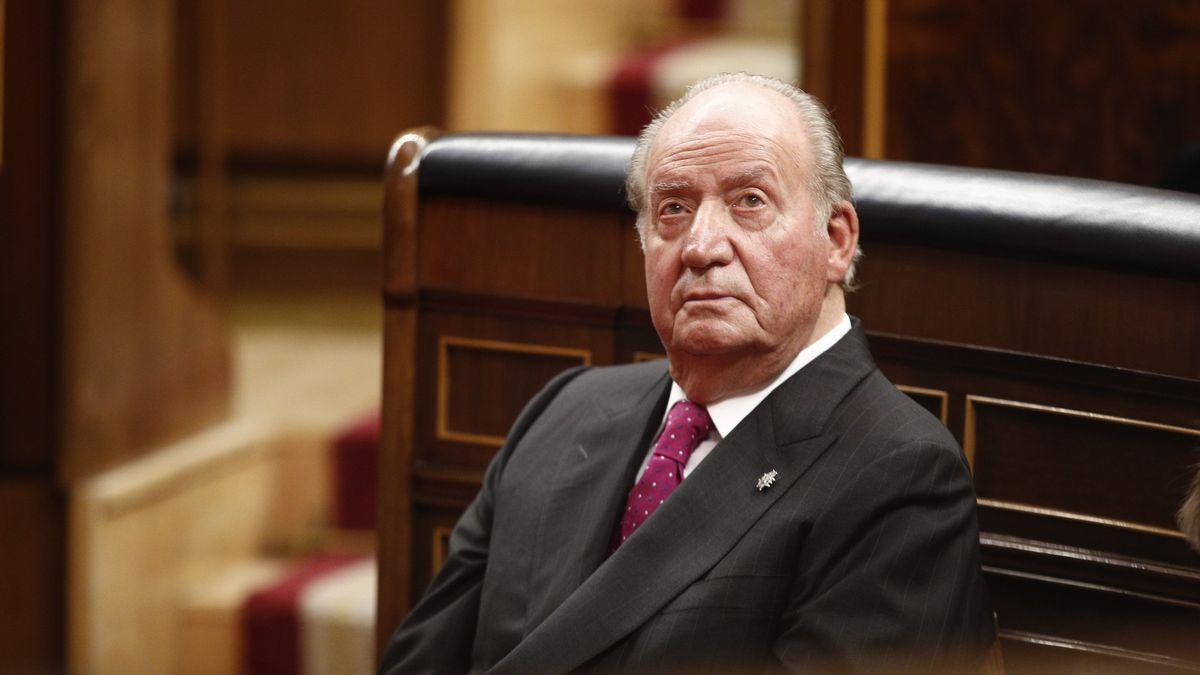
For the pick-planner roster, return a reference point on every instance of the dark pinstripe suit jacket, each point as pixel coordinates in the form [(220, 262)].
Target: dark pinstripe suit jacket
[(863, 555)]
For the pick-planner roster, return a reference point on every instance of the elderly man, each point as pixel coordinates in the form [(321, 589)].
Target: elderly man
[(766, 499)]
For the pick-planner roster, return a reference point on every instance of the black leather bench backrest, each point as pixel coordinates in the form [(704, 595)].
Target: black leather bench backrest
[(1109, 224)]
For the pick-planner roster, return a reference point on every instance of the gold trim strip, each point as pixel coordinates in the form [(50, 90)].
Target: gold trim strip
[(1083, 414), (1093, 648), (943, 395), (443, 431), (1078, 517), (875, 78), (641, 357), (441, 548), (969, 433), (972, 400), (1075, 583), (969, 448)]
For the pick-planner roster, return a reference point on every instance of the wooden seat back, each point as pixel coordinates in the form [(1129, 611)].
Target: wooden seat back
[(1052, 324)]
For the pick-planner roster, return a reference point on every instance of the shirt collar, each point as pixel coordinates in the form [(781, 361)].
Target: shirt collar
[(728, 413)]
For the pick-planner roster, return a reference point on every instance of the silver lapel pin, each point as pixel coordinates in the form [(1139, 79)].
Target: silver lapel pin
[(767, 480)]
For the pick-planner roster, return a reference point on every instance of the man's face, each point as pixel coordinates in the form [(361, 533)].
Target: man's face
[(733, 262)]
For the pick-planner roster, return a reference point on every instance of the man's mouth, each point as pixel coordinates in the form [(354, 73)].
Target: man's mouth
[(702, 296)]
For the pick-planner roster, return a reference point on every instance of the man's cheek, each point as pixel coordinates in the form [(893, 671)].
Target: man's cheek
[(659, 287)]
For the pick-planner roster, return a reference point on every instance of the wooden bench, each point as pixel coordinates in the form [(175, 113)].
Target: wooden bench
[(1052, 324)]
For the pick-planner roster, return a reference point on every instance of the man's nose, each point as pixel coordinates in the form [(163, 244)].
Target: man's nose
[(708, 237)]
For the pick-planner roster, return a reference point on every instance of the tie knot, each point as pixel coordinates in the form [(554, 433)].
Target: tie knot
[(687, 425)]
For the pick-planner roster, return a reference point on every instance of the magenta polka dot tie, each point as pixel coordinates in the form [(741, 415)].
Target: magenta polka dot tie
[(687, 425)]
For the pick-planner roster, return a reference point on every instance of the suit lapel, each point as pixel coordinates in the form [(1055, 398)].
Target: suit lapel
[(590, 486), (705, 516)]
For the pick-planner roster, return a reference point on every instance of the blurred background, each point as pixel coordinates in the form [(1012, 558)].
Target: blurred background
[(190, 193)]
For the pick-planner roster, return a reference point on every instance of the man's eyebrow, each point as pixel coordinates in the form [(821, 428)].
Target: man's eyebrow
[(754, 175), (669, 187)]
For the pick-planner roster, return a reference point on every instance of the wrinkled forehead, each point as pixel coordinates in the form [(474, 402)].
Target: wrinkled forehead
[(747, 112)]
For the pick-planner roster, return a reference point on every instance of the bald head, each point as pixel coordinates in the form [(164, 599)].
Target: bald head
[(757, 109), (735, 110)]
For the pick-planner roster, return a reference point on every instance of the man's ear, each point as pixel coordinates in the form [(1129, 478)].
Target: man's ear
[(842, 230)]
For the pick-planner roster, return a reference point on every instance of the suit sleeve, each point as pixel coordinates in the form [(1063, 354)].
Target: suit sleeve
[(889, 577), (438, 634)]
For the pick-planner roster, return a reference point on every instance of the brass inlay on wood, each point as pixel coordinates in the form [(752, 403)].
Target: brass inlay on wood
[(944, 397), (441, 549), (1078, 517), (1068, 644), (1087, 586), (1048, 550), (641, 357), (969, 448), (445, 342)]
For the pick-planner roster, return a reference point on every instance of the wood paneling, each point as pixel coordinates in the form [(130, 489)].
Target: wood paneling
[(397, 436), (433, 525), (319, 81), (28, 269), (1077, 493), (1082, 444), (395, 486), (211, 147), (2, 82), (471, 369), (289, 230), (1038, 654), (400, 213), (1146, 625), (1087, 88), (1060, 459), (492, 384), (971, 369), (1081, 88), (1136, 574), (633, 280), (274, 91), (441, 547), (1083, 313), (145, 356), (521, 250), (31, 575), (834, 61), (32, 525), (935, 401)]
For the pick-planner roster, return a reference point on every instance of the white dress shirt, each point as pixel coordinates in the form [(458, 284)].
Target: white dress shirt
[(728, 413)]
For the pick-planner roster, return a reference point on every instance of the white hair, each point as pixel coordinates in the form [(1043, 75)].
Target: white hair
[(1189, 513), (828, 183)]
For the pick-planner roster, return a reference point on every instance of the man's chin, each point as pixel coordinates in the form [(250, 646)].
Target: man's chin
[(709, 343)]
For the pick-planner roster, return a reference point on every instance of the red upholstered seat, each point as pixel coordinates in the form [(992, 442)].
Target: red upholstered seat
[(355, 457), (271, 620)]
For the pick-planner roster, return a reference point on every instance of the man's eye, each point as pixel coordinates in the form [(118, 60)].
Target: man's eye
[(672, 209), (752, 200)]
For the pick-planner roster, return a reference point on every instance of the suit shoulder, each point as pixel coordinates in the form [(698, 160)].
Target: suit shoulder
[(581, 389), (618, 380), (886, 417)]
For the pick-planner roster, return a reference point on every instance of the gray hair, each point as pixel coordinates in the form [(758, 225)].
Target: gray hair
[(828, 183), (1189, 513)]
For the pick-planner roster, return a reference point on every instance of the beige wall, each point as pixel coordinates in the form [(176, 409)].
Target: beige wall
[(544, 65), (145, 533), (535, 64)]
